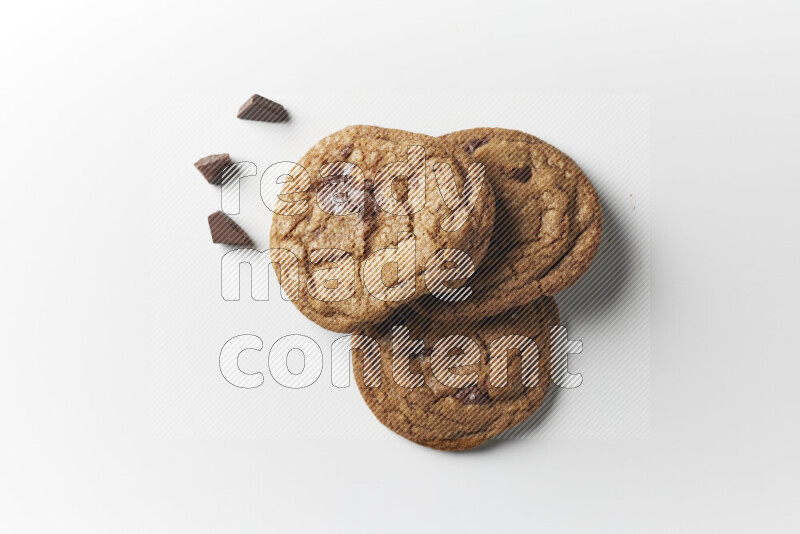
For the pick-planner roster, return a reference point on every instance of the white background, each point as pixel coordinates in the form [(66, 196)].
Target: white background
[(81, 81)]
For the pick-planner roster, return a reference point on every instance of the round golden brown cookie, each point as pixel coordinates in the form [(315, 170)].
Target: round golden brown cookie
[(548, 224), (363, 211), (449, 394)]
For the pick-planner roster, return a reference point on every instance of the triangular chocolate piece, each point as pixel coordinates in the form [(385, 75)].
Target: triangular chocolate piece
[(227, 232), (212, 166), (258, 108)]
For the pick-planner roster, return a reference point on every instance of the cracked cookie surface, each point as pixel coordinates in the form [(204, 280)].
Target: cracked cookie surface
[(472, 410), (344, 216), (547, 230)]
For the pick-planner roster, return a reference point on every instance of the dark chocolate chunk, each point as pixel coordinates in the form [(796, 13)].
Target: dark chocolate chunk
[(472, 395), (227, 232), (423, 353), (258, 108), (339, 194), (473, 145), (523, 174), (346, 151), (212, 166)]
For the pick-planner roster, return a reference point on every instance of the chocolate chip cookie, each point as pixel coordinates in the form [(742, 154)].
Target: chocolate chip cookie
[(435, 383), (364, 210), (548, 224)]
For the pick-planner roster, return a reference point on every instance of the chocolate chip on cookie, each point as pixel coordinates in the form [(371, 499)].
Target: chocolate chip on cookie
[(522, 174), (472, 395), (346, 150), (473, 144)]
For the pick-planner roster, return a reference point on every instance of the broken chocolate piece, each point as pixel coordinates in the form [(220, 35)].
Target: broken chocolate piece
[(227, 232), (258, 108), (211, 167), (472, 395), (523, 174)]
